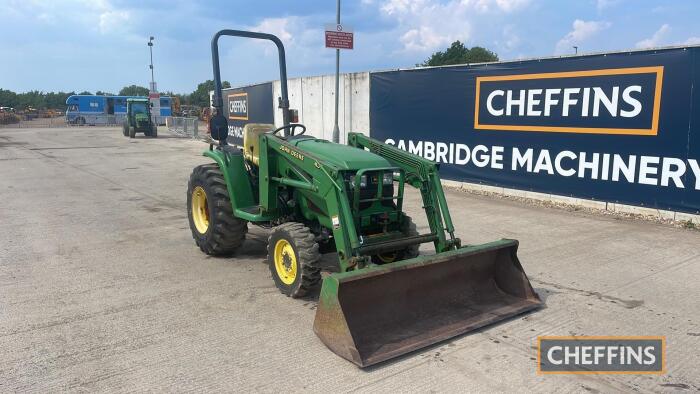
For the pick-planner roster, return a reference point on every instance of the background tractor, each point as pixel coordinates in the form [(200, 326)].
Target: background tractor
[(138, 118), (382, 299)]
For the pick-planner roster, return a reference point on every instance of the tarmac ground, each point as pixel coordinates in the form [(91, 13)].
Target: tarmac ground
[(103, 289)]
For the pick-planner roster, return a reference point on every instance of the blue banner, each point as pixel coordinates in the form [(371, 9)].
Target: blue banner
[(617, 127)]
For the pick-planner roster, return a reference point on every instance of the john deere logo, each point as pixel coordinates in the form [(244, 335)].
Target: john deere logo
[(238, 106), (611, 101)]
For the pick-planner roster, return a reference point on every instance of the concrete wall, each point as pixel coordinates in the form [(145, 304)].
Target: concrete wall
[(314, 98)]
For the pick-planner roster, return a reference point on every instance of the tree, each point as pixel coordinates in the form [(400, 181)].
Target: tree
[(200, 97), (85, 93), (133, 90), (8, 98), (457, 53), (101, 93)]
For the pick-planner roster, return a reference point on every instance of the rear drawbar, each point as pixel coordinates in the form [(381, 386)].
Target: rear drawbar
[(375, 314)]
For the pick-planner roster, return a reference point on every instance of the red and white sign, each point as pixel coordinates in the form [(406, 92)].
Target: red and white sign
[(339, 37)]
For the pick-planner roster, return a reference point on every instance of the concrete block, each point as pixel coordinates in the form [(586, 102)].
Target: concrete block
[(538, 196), (451, 183), (684, 217), (624, 208), (482, 188), (564, 199), (357, 102), (593, 204), (515, 193)]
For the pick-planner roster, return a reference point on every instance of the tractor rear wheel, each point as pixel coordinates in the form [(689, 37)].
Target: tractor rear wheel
[(214, 228), (125, 129), (154, 131), (293, 256), (409, 229)]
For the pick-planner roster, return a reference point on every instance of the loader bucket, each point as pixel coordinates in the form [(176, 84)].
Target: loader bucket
[(374, 314)]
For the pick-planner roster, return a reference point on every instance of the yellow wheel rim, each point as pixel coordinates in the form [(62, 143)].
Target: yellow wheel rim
[(387, 257), (285, 262), (200, 210)]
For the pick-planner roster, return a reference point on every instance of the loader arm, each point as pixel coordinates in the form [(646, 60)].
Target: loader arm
[(423, 175)]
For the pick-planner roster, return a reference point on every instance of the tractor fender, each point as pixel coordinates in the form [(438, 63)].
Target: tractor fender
[(237, 178)]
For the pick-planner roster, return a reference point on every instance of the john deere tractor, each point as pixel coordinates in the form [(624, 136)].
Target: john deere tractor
[(138, 118), (381, 299)]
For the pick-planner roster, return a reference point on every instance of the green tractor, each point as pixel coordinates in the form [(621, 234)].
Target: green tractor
[(138, 118), (382, 299)]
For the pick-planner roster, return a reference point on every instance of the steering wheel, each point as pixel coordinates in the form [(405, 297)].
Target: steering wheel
[(291, 127)]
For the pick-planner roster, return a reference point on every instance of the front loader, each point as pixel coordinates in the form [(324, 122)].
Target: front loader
[(382, 299)]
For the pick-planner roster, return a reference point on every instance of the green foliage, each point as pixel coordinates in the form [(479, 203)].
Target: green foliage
[(689, 224), (35, 99), (200, 97), (85, 93), (134, 90), (457, 53), (57, 100)]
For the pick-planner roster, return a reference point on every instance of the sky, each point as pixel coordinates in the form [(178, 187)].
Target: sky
[(76, 45)]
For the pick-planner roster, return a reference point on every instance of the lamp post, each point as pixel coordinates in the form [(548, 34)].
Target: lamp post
[(575, 50), (153, 81)]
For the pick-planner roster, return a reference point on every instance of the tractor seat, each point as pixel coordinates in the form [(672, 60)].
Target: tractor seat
[(251, 140)]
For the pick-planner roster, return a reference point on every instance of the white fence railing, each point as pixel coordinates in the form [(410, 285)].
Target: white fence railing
[(183, 126)]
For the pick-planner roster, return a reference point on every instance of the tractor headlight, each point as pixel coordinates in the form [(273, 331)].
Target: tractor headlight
[(388, 178), (363, 181)]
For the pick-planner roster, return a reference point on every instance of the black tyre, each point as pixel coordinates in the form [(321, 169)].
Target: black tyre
[(292, 256), (214, 228), (409, 229), (125, 129), (132, 132), (154, 131)]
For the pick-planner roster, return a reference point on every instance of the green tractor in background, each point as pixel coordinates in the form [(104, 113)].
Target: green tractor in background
[(138, 118), (381, 299)]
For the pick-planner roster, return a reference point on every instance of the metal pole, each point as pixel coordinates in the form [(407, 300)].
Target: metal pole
[(336, 130), (150, 47)]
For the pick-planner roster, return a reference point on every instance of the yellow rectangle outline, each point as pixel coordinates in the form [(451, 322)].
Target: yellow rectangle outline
[(602, 337), (654, 130), (246, 100)]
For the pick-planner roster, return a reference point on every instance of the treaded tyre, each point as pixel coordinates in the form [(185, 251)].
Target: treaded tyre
[(125, 129), (293, 256), (214, 228), (154, 131), (132, 132), (409, 229)]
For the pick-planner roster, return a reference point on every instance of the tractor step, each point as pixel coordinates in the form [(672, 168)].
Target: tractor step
[(253, 213), (253, 210)]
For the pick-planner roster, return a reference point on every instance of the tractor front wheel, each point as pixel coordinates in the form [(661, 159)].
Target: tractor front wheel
[(214, 228), (125, 129), (292, 256), (154, 131), (409, 229), (132, 132)]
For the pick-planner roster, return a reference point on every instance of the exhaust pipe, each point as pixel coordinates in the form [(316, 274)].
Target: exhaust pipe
[(378, 313)]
